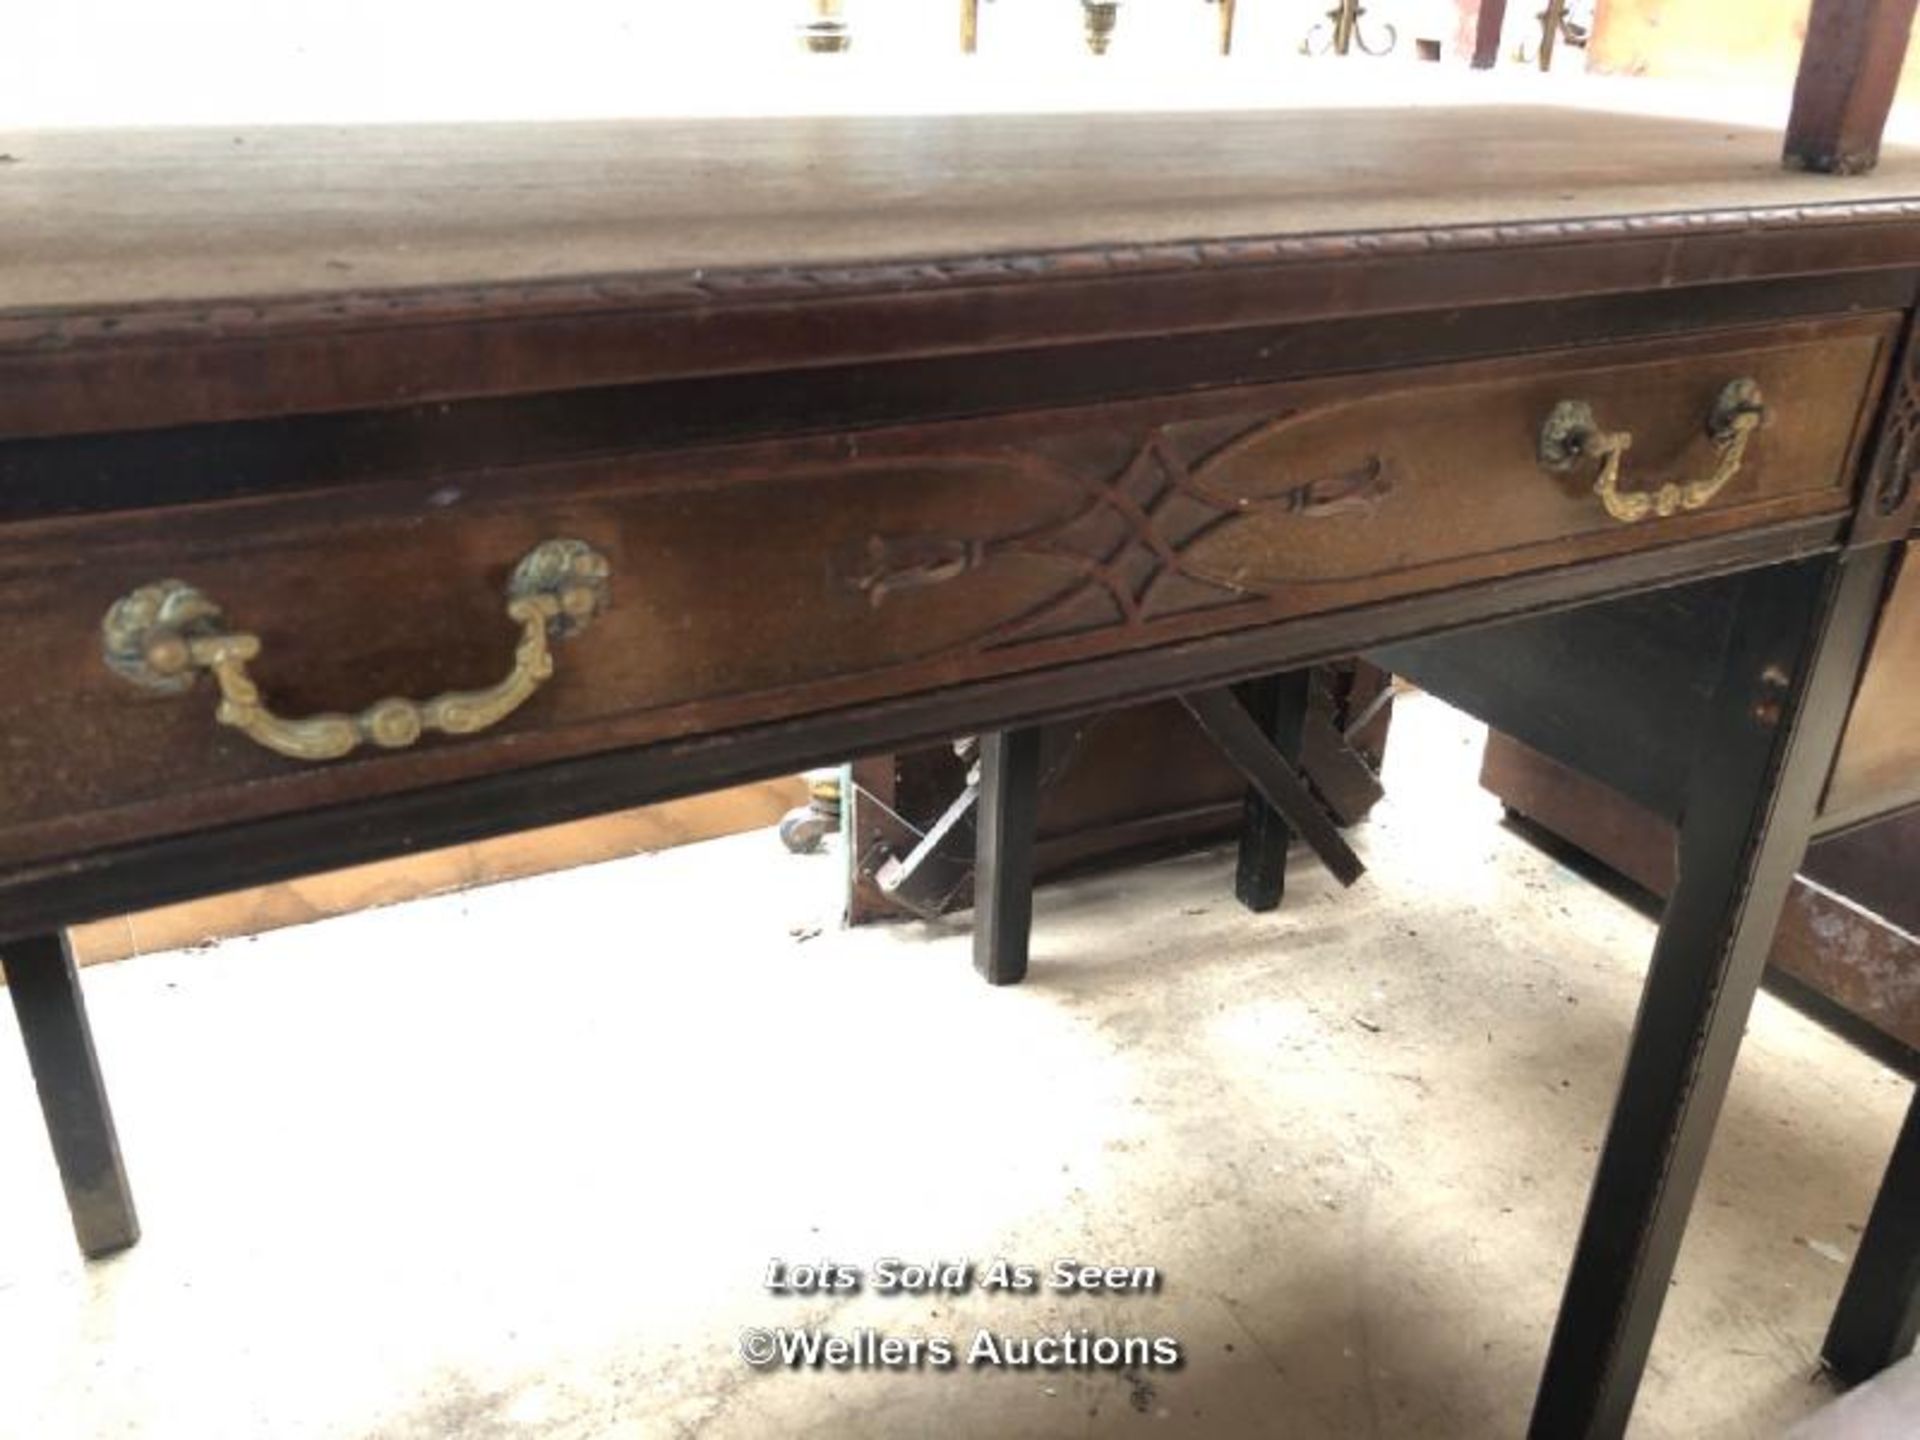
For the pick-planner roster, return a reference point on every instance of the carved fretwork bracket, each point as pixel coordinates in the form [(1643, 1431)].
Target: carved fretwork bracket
[(1887, 509), (1123, 551)]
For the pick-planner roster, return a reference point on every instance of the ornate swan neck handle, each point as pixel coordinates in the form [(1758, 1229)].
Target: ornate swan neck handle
[(1571, 436), (162, 635)]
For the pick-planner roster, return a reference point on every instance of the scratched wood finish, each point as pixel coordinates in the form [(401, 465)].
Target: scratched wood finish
[(176, 277), (97, 220), (1878, 768), (761, 581)]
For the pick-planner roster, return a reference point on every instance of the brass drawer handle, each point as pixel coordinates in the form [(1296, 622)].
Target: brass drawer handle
[(162, 634), (1571, 435)]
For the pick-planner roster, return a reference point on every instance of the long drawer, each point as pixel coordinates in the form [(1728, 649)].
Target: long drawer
[(705, 589), (1878, 767)]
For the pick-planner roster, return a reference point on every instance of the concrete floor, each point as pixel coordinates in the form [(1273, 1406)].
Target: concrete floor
[(514, 1163)]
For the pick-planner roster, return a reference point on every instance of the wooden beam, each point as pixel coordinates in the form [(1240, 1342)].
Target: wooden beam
[(1278, 705), (1242, 741), (1849, 68)]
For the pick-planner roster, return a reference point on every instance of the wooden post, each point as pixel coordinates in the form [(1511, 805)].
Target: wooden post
[(1879, 1314), (1278, 704), (1008, 815), (1849, 67), (1486, 33), (969, 26), (1550, 19)]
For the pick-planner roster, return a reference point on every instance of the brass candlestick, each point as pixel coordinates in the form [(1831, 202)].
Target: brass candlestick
[(1101, 16), (827, 32), (1226, 24)]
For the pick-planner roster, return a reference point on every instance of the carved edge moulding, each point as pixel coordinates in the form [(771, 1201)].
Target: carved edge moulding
[(216, 317)]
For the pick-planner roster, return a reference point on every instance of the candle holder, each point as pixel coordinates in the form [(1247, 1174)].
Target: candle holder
[(1342, 30), (827, 32), (1226, 9), (1101, 16)]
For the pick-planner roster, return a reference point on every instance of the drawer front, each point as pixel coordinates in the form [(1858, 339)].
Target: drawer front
[(753, 582), (1878, 769)]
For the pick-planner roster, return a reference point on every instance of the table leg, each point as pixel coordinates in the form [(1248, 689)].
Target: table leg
[(1278, 704), (1246, 746), (1850, 65), (1003, 865), (1763, 753), (45, 988), (1879, 1315)]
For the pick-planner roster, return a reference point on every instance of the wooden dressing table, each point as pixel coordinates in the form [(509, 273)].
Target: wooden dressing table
[(363, 490)]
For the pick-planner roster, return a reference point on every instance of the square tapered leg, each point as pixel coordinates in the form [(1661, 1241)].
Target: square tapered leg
[(1766, 739), (1278, 704), (1003, 865), (45, 989), (1878, 1318)]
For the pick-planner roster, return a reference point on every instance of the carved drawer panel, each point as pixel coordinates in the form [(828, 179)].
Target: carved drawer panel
[(744, 583), (1878, 769)]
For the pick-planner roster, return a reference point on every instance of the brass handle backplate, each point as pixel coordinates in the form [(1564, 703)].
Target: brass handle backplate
[(1571, 436), (162, 635)]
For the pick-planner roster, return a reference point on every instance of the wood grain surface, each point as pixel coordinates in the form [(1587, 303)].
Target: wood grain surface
[(436, 872), (174, 276), (96, 218)]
